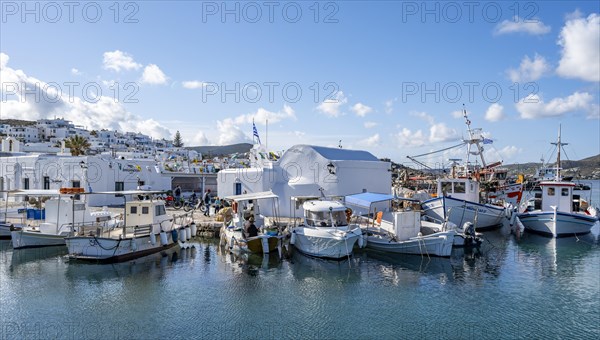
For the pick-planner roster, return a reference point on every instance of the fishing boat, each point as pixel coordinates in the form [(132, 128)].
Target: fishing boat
[(325, 231), (398, 230), (558, 212), (146, 229), (63, 215), (246, 212)]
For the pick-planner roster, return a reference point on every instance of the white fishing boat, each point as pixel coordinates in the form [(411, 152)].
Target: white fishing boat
[(246, 212), (457, 201), (398, 231), (325, 231), (64, 215), (557, 212), (146, 229)]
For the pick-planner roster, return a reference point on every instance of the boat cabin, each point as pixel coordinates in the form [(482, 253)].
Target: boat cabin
[(145, 212), (325, 214), (459, 188), (558, 194)]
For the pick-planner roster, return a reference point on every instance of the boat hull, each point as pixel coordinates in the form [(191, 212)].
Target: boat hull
[(32, 239), (5, 231), (483, 216), (261, 244), (106, 250), (331, 244), (566, 224), (438, 244)]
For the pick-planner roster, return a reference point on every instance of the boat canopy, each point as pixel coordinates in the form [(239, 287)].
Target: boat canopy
[(323, 206), (252, 196), (365, 199)]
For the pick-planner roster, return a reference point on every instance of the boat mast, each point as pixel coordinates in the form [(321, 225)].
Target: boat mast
[(559, 145), (472, 140)]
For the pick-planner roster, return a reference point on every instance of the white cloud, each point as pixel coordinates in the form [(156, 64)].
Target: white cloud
[(423, 115), (457, 114), (262, 115), (389, 105), (193, 84), (299, 134), (200, 139), (153, 75), (494, 113), (332, 107), (521, 25), (441, 133), (361, 109), (410, 139), (118, 61), (75, 72), (529, 70), (97, 113), (229, 133), (509, 152), (3, 60), (370, 141), (533, 106), (369, 125), (580, 42)]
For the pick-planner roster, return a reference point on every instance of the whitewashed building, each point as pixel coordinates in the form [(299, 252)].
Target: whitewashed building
[(305, 170)]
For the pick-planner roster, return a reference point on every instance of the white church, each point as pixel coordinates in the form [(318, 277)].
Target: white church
[(307, 170)]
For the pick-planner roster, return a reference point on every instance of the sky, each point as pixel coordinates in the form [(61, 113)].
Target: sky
[(388, 77)]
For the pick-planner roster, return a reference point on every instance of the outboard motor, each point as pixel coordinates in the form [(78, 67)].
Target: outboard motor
[(471, 238)]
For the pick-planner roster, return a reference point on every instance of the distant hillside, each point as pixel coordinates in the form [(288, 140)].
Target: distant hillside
[(588, 168), (213, 150), (17, 122)]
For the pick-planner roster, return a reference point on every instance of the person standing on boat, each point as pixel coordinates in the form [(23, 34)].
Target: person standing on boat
[(206, 200), (251, 230)]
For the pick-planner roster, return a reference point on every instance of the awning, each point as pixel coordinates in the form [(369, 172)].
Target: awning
[(365, 199), (252, 196)]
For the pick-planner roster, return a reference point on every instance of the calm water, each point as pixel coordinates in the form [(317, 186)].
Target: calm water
[(534, 288)]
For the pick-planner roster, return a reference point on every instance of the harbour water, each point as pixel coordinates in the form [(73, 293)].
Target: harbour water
[(535, 287)]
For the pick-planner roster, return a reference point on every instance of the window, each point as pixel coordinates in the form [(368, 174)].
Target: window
[(133, 210), (550, 191), (446, 187), (75, 184), (46, 182), (564, 192), (459, 188), (159, 210), (25, 183), (145, 210), (119, 186)]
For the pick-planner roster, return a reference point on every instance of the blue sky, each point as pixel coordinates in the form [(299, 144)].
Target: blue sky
[(388, 77)]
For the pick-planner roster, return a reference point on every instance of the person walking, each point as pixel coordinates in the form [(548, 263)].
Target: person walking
[(206, 200), (177, 193)]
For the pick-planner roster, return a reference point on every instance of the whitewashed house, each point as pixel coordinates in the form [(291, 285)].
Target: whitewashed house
[(303, 170)]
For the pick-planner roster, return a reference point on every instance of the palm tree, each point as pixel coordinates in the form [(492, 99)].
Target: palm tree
[(78, 145)]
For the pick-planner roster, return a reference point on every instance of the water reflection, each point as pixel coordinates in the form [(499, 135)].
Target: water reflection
[(248, 263)]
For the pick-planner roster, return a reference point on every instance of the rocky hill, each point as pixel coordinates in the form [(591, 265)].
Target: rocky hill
[(587, 168), (215, 150)]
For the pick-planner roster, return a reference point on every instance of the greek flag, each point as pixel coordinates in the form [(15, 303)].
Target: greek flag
[(255, 132), (487, 141)]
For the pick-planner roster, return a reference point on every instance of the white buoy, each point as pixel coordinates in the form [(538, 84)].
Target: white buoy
[(163, 238), (152, 238), (188, 232), (361, 241), (193, 229), (181, 234), (293, 239), (133, 245)]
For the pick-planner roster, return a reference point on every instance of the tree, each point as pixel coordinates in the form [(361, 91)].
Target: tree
[(177, 142), (78, 145)]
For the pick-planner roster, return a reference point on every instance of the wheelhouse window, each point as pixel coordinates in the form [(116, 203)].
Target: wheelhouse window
[(459, 188), (159, 210), (133, 210), (145, 210), (446, 188), (321, 219), (564, 192), (550, 191)]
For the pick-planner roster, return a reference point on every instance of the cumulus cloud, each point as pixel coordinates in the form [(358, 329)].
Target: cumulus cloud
[(580, 42), (521, 25), (509, 152), (441, 133), (230, 133), (262, 115), (389, 105), (494, 113), (200, 139), (153, 75), (75, 72), (457, 114), (423, 115), (117, 61), (369, 125), (361, 109), (410, 139), (193, 84), (529, 70), (370, 141), (94, 112), (533, 106), (3, 60), (332, 107)]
